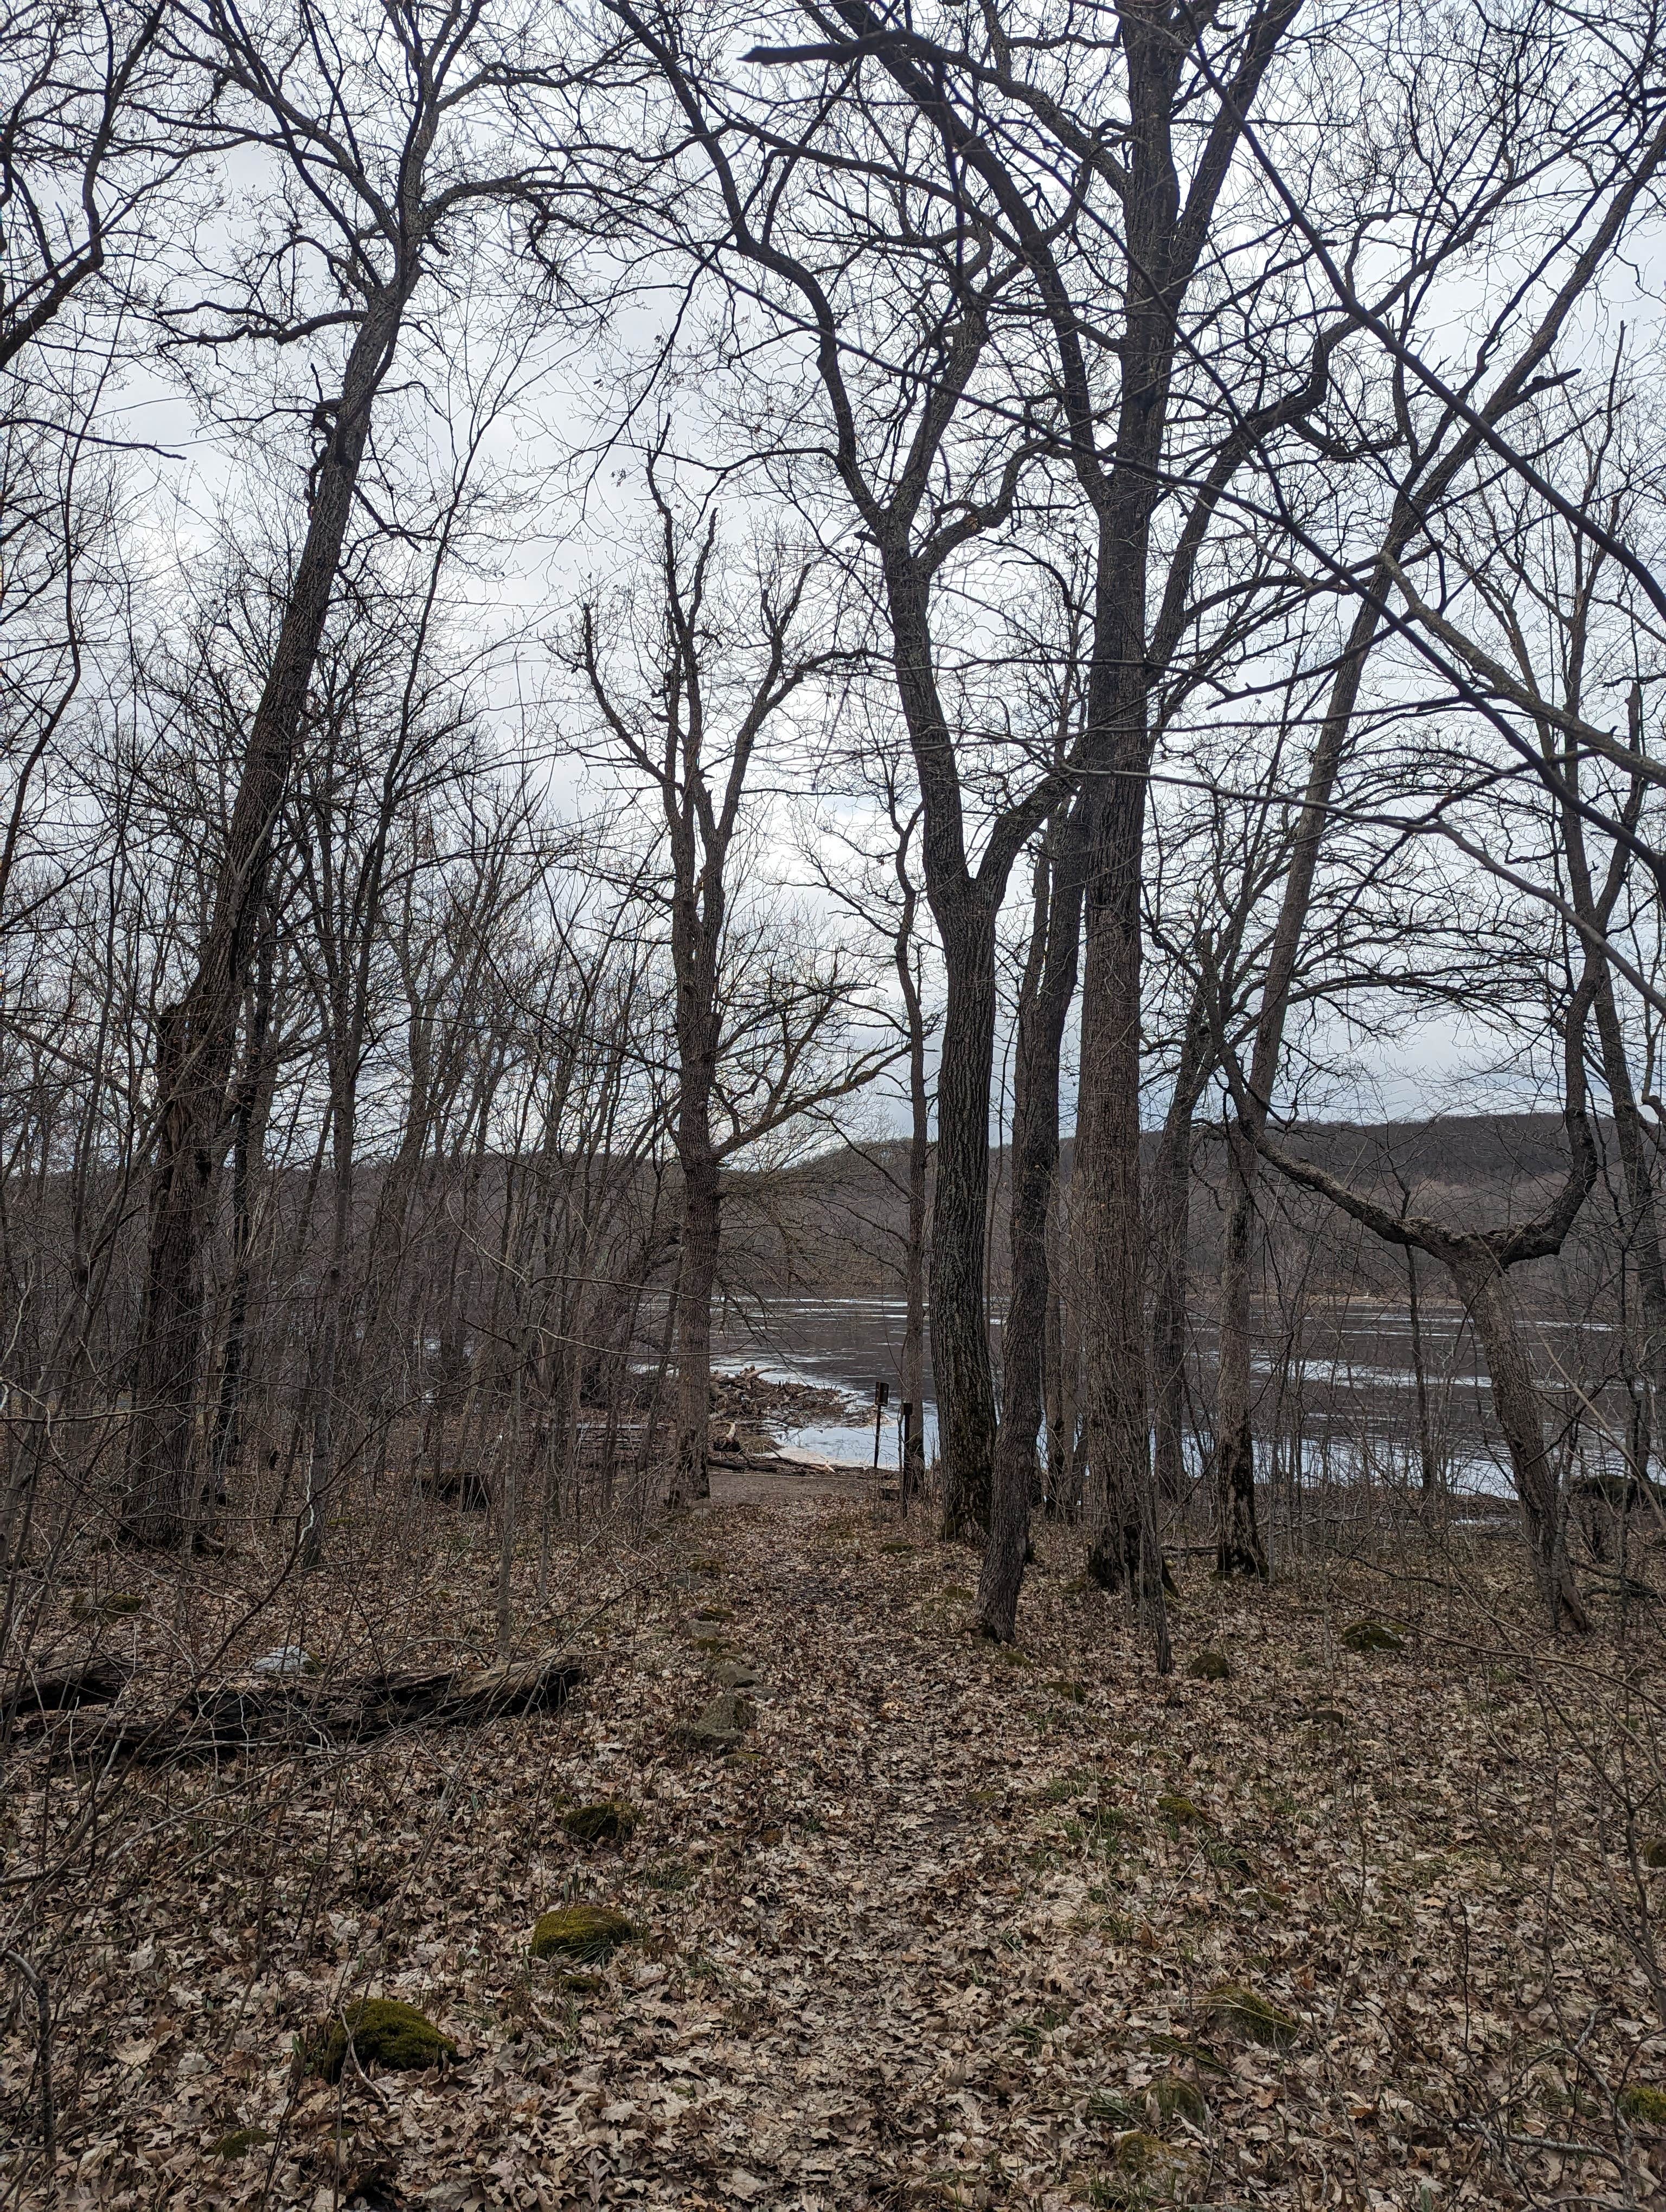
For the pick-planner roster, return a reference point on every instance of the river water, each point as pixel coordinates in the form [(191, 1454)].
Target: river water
[(1338, 1405)]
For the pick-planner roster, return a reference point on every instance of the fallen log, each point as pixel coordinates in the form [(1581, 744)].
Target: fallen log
[(298, 1713), (96, 1681)]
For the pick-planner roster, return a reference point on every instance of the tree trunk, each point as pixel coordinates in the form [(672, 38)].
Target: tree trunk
[(197, 1037), (1050, 985), (702, 1214), (1106, 1195), (1520, 1415), (960, 1319), (911, 1480), (1170, 1236), (1238, 1537)]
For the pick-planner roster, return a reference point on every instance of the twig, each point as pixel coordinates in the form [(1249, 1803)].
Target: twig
[(37, 1981)]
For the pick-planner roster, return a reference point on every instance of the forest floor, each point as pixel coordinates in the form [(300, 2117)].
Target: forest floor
[(950, 1925)]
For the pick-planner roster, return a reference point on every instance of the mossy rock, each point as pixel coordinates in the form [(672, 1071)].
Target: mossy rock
[(1071, 1693), (1328, 1716), (1252, 2015), (585, 1932), (384, 2032), (1139, 2151), (1181, 1811), (115, 1604), (1654, 1854), (715, 1612), (734, 1674), (241, 2141), (1209, 1666), (955, 1591), (1648, 2105), (721, 1725), (1372, 1636), (608, 1821), (1179, 2099), (894, 1549)]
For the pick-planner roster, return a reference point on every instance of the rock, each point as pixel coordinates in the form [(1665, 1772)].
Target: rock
[(1654, 1854), (721, 1725), (1209, 1666), (1181, 1810), (1372, 1636), (241, 2141), (1328, 1716), (1251, 2015), (608, 1821), (734, 1674), (585, 1932), (288, 1659), (715, 1612), (1639, 2103), (384, 2032), (1074, 1694)]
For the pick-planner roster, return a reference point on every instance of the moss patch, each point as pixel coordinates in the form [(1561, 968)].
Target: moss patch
[(384, 2032), (1181, 1810), (1654, 1854), (240, 2142), (1252, 2015), (1372, 1636), (1639, 2103), (1209, 1666), (1178, 2098), (585, 1932), (608, 1821)]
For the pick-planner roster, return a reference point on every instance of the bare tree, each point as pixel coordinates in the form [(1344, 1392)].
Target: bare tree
[(758, 1038)]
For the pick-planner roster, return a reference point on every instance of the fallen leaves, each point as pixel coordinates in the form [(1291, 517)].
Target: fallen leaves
[(926, 1930)]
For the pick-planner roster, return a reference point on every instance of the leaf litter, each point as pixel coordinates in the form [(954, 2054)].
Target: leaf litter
[(925, 1927)]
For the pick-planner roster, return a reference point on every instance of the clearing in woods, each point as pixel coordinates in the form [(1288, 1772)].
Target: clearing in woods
[(914, 1920)]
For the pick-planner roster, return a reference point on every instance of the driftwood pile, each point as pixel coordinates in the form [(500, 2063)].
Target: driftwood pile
[(228, 1719)]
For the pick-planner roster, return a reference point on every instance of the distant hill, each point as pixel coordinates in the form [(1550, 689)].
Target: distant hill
[(835, 1223)]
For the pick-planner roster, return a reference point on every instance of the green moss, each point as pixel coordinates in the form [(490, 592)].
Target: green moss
[(1654, 1853), (715, 1612), (1073, 1693), (721, 1725), (584, 1932), (1180, 2099), (241, 2141), (1328, 1716), (116, 1604), (1181, 1810), (1639, 2103), (1209, 1666), (1251, 2015), (1372, 1636), (608, 1821), (384, 2032)]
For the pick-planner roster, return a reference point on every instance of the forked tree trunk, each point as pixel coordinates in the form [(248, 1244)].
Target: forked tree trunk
[(1049, 984), (1519, 1411)]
